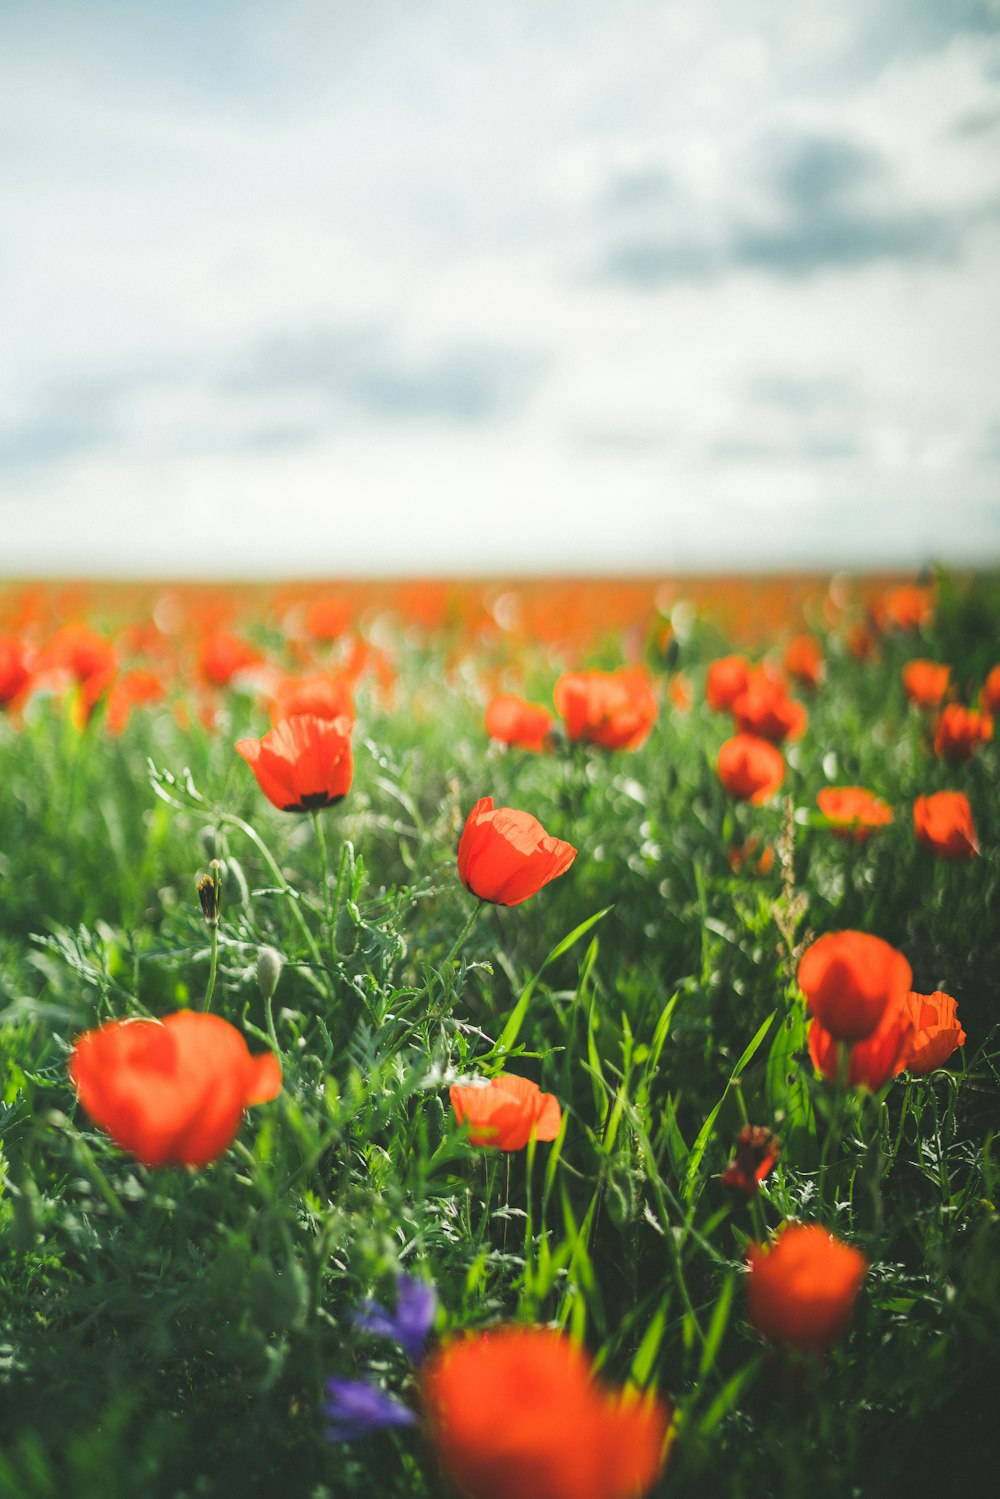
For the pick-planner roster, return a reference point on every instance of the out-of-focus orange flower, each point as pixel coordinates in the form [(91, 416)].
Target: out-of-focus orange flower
[(171, 1091), (853, 811), (681, 692), (516, 1411), (511, 720), (751, 769), (506, 1111), (802, 1287), (909, 607), (960, 730), (989, 697), (303, 763), (328, 617), (874, 1060), (320, 697), (78, 649), (505, 855), (925, 682), (937, 1031), (804, 660), (223, 655), (849, 979), (14, 673), (131, 689), (750, 856), (756, 1152), (725, 680), (764, 708), (614, 709), (943, 823)]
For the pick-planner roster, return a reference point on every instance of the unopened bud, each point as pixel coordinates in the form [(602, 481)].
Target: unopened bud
[(210, 893), (269, 962)]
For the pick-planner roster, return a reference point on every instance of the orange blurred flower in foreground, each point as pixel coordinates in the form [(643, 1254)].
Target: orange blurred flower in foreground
[(853, 811), (319, 697), (874, 1060), (614, 709), (989, 697), (925, 682), (171, 1091), (516, 1413), (802, 1287), (937, 1031), (960, 730), (765, 709), (750, 769), (849, 979), (506, 1111), (302, 764), (725, 680), (511, 720), (804, 660), (943, 823), (505, 856)]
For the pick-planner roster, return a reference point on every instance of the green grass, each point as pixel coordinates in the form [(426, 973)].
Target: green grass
[(166, 1333)]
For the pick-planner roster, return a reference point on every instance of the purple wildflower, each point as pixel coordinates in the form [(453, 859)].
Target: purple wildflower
[(354, 1409), (409, 1326)]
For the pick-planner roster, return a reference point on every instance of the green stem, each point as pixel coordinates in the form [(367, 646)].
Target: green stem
[(279, 879), (331, 932), (467, 928), (213, 966)]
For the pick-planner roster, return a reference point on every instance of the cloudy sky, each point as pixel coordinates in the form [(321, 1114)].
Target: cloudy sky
[(482, 285)]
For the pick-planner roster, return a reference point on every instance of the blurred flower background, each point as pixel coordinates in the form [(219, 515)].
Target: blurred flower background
[(324, 288)]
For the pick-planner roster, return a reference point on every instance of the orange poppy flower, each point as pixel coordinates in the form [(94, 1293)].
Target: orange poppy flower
[(909, 607), (328, 617), (751, 769), (764, 708), (802, 1287), (319, 697), (756, 1153), (937, 1031), (171, 1091), (853, 811), (505, 856), (506, 1111), (511, 720), (752, 856), (943, 823), (303, 763), (804, 660), (959, 731), (78, 649), (14, 674), (925, 682), (130, 690), (223, 655), (614, 709), (989, 697), (874, 1060), (517, 1411), (849, 979), (726, 679)]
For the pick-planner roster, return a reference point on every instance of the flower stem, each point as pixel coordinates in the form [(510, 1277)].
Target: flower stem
[(331, 932), (213, 966)]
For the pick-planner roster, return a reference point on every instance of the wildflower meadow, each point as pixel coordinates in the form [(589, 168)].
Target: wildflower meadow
[(500, 1042)]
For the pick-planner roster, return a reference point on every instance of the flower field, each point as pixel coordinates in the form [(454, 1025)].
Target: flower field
[(514, 1042)]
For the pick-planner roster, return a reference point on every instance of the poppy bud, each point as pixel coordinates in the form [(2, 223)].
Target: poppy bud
[(269, 965), (210, 893)]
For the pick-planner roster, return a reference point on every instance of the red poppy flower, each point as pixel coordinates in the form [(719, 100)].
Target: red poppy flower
[(849, 979), (505, 856), (937, 1031), (171, 1091), (853, 811), (874, 1060), (328, 617), (750, 769), (14, 674), (804, 660), (505, 1111), (511, 720), (223, 655), (756, 1153), (726, 679), (764, 708), (943, 823), (925, 682), (959, 731), (803, 1286), (989, 697), (516, 1411), (78, 649), (909, 607), (614, 709), (302, 764), (129, 690), (318, 697)]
